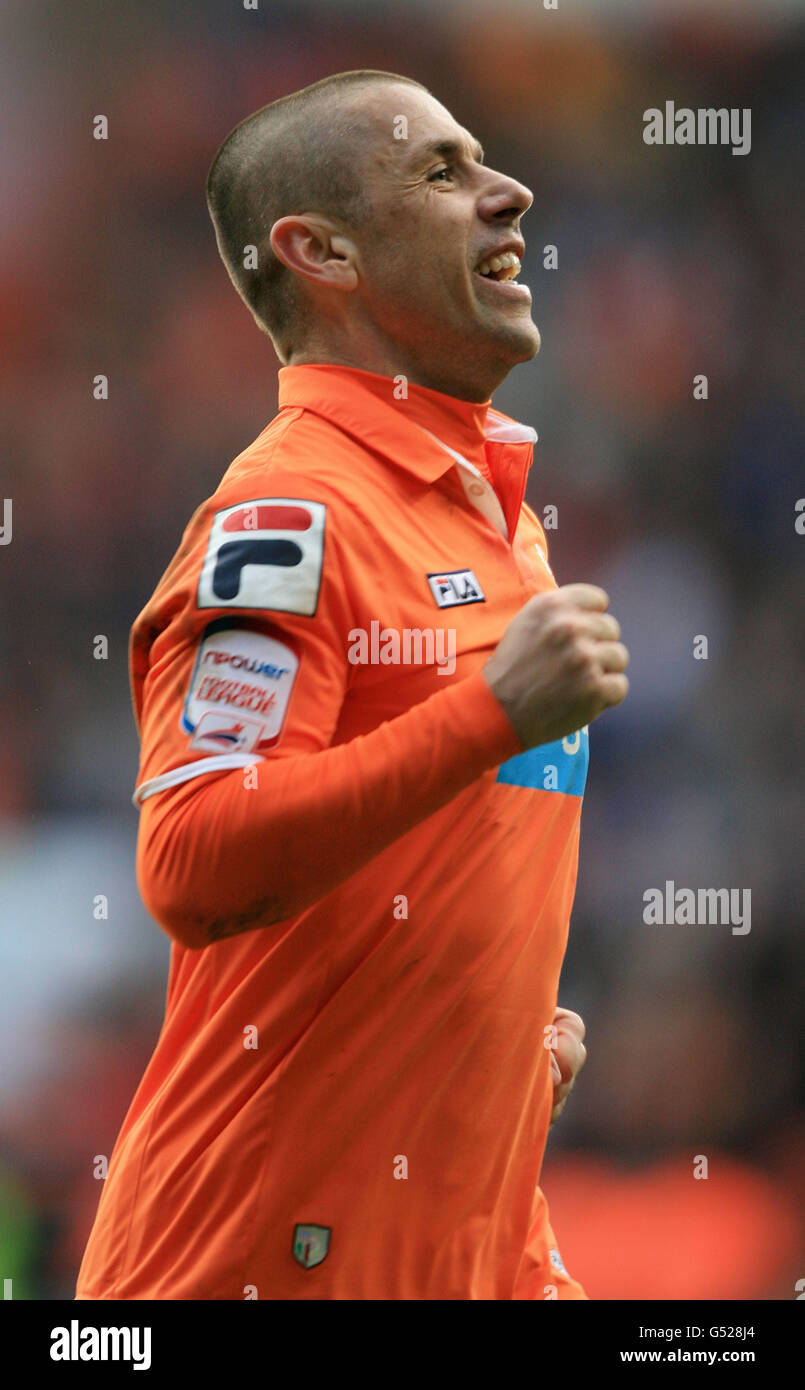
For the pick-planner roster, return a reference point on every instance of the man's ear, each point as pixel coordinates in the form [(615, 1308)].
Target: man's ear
[(313, 248)]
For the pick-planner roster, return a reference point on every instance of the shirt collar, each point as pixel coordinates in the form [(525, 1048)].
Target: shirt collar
[(418, 429)]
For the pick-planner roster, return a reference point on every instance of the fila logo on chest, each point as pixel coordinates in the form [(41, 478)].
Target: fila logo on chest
[(452, 587)]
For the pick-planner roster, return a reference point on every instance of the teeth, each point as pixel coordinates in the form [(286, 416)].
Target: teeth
[(509, 263)]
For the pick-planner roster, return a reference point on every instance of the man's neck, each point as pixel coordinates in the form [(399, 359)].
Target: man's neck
[(394, 366)]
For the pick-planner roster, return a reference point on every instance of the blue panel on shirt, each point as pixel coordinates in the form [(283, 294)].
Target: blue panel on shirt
[(569, 756)]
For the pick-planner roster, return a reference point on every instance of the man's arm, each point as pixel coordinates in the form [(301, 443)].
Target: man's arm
[(225, 848), (230, 852)]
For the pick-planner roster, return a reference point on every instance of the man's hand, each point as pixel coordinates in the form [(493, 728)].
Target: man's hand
[(559, 664), (568, 1055)]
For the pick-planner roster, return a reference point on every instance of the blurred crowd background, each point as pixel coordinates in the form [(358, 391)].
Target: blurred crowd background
[(672, 262)]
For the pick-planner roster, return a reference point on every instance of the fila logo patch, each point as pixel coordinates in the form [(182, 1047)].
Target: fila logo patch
[(265, 554), (454, 587)]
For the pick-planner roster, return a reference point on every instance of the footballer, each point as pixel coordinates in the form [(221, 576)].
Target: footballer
[(366, 868)]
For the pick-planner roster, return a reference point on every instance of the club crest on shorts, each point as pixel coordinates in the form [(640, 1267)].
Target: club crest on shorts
[(310, 1245)]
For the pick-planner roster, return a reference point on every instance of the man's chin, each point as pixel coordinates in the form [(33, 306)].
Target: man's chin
[(535, 343), (509, 323), (519, 342)]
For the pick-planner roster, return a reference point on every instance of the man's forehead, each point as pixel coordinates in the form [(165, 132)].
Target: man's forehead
[(427, 127)]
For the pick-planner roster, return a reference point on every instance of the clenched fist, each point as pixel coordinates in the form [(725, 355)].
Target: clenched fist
[(559, 664)]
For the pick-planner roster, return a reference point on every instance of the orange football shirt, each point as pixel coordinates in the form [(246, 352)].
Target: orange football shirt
[(367, 881)]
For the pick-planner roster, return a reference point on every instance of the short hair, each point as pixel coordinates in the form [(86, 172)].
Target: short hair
[(296, 155)]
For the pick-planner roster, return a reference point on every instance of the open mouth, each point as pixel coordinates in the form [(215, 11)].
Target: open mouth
[(502, 271), (504, 267)]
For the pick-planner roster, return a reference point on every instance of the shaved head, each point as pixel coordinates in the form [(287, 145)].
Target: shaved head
[(301, 154), (360, 223)]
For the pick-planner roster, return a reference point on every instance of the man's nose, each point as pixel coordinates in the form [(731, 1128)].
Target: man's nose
[(505, 198)]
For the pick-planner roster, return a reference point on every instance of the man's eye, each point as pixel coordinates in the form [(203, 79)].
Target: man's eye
[(437, 174)]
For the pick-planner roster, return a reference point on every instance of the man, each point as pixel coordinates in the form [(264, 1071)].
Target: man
[(363, 707)]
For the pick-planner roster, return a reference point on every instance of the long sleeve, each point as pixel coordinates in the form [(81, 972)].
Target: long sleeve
[(250, 847), (254, 805)]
